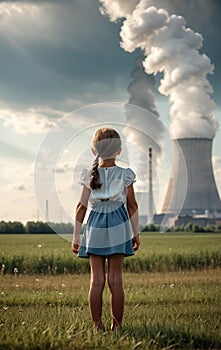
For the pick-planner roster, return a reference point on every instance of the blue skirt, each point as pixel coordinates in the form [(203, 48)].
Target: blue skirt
[(107, 231)]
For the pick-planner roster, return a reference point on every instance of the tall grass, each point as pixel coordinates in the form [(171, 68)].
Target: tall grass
[(50, 254)]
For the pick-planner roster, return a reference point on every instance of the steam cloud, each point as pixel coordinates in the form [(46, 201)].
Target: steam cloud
[(145, 119), (141, 88), (172, 49)]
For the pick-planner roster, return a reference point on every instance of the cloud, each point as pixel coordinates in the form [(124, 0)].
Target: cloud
[(64, 168), (116, 9), (30, 121), (171, 48), (206, 13), (46, 59), (9, 150), (9, 9)]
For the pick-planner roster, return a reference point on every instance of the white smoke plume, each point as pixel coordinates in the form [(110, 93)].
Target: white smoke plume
[(200, 9), (141, 88), (172, 49), (116, 9), (144, 118)]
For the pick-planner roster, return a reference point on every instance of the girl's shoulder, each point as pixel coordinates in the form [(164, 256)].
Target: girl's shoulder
[(128, 175), (85, 176)]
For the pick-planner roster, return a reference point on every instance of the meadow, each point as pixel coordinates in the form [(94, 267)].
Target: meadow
[(173, 304), (51, 254)]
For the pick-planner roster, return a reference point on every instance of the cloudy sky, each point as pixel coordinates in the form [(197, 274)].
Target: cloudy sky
[(57, 57)]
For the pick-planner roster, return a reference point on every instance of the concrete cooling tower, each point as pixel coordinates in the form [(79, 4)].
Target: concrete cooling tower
[(192, 186)]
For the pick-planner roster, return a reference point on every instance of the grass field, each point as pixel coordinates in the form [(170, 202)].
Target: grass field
[(172, 309), (51, 254)]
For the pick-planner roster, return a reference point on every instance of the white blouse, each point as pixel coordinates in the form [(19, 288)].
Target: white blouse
[(114, 180)]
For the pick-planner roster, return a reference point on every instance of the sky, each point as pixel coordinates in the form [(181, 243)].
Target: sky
[(58, 57)]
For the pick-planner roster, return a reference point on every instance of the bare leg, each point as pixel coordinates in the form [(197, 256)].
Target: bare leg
[(97, 284), (115, 267)]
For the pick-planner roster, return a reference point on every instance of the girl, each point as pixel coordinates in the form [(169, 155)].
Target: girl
[(109, 188)]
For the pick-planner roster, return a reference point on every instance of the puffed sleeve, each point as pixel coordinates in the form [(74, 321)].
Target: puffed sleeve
[(130, 177), (85, 177)]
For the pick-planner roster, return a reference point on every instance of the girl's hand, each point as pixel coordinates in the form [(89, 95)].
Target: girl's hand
[(135, 242), (75, 247)]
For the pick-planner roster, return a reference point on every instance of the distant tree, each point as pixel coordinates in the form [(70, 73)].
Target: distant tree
[(51, 227), (17, 227), (188, 227), (35, 227), (210, 228), (30, 227), (218, 228), (182, 227), (151, 228), (3, 227), (197, 228), (11, 227)]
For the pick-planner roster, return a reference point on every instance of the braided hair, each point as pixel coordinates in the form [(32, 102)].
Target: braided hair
[(94, 181), (106, 142)]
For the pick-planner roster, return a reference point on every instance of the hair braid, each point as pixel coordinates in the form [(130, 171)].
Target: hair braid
[(94, 181)]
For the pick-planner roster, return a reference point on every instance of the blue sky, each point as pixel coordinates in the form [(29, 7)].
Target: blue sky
[(58, 56)]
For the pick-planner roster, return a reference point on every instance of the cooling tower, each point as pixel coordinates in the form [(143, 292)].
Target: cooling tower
[(192, 186)]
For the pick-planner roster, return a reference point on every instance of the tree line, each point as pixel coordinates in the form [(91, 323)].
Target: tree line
[(190, 227), (17, 227)]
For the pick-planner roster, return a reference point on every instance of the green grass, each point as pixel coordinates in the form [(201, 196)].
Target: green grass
[(162, 311), (171, 302), (51, 254)]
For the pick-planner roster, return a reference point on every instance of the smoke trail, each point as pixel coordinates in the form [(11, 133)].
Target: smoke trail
[(173, 49), (141, 88), (116, 9), (145, 118), (200, 9)]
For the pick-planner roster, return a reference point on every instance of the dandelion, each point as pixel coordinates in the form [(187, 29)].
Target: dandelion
[(39, 245), (17, 285), (16, 271)]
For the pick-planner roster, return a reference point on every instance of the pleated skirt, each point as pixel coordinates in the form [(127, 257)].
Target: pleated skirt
[(107, 231)]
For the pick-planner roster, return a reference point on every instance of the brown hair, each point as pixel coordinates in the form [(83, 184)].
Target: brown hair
[(106, 142)]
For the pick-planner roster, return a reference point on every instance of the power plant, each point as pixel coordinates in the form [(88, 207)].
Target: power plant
[(192, 192), (171, 48), (192, 157)]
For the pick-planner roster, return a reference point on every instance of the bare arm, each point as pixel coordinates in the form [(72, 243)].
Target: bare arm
[(79, 217), (132, 208)]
